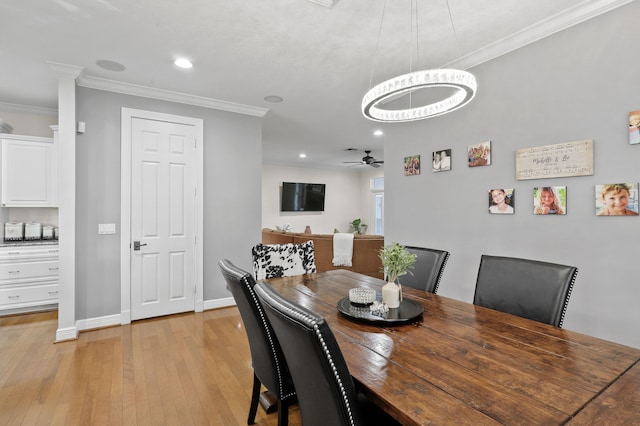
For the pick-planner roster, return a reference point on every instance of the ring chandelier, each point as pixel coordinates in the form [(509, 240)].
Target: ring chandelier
[(463, 81)]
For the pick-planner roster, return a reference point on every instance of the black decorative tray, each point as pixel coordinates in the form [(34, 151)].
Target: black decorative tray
[(407, 312)]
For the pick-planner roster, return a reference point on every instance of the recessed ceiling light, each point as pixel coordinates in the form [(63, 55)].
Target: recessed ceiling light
[(183, 63), (302, 155), (378, 132), (273, 98), (110, 65)]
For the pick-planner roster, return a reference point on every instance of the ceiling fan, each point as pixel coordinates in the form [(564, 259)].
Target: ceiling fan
[(367, 160)]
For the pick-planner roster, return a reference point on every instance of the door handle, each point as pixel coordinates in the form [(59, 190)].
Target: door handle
[(137, 245)]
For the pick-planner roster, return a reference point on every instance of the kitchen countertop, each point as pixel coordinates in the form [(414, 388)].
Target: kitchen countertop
[(28, 243)]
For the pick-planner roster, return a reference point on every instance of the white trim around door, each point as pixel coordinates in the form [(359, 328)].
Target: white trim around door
[(128, 115)]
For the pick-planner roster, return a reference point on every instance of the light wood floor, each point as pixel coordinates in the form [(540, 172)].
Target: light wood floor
[(187, 369)]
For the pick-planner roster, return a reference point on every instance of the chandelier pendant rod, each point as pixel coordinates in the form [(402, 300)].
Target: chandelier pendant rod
[(410, 48), (375, 54), (455, 36)]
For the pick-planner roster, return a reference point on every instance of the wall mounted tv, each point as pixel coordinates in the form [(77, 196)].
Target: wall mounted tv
[(302, 197)]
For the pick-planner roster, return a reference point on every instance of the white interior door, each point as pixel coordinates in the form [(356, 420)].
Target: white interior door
[(163, 217)]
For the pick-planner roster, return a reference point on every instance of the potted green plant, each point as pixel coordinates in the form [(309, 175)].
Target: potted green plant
[(396, 262), (358, 226)]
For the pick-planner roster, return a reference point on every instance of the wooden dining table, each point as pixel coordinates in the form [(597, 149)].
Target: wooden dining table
[(458, 363)]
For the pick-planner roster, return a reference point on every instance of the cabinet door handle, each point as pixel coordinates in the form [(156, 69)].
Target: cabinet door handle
[(17, 296), (53, 293), (14, 272), (53, 251), (53, 269), (13, 252)]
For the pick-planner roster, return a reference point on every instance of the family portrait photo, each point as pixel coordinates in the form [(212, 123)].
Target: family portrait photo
[(480, 154), (501, 201), (617, 199), (550, 200), (441, 160), (412, 165), (634, 127)]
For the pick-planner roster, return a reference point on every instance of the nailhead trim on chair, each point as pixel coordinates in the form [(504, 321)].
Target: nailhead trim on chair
[(566, 300), (312, 322), (444, 264), (245, 280)]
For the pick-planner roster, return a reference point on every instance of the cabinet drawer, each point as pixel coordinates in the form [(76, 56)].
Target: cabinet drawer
[(19, 271), (22, 253), (9, 298)]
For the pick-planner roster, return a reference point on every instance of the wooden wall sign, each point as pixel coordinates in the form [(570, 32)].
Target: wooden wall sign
[(551, 161)]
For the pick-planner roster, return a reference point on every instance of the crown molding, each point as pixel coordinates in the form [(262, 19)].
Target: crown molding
[(65, 70), (167, 95), (4, 106), (568, 18)]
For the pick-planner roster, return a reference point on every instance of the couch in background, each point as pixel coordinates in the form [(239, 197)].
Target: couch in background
[(365, 258)]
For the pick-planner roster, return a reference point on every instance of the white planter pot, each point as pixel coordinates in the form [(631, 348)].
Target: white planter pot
[(391, 295)]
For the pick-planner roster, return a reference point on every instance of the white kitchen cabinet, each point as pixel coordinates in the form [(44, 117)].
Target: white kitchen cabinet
[(29, 171), (28, 277)]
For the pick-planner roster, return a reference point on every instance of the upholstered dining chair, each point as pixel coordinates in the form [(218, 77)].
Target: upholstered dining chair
[(326, 391), (269, 365), (528, 288), (283, 260), (428, 269)]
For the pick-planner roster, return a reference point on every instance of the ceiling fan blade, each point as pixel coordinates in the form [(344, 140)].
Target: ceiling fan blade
[(367, 160)]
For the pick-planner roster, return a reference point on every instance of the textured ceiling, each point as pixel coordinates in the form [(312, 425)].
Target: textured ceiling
[(319, 59)]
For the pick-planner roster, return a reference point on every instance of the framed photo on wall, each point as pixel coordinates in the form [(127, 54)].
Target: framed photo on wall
[(634, 127), (501, 201), (617, 199), (480, 154), (441, 160), (412, 165), (550, 200)]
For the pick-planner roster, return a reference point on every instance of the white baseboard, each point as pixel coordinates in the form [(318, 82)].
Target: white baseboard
[(219, 303), (69, 333), (111, 320), (100, 322)]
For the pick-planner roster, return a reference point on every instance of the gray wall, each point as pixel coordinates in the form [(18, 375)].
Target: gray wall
[(232, 194), (578, 84)]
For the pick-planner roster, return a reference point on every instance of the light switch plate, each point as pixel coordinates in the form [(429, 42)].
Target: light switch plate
[(106, 228)]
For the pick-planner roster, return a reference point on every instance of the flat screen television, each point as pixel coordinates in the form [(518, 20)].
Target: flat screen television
[(302, 197)]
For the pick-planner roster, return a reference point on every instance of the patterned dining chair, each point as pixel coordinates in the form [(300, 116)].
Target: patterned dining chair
[(283, 260), (428, 269), (326, 391), (269, 365), (528, 288)]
